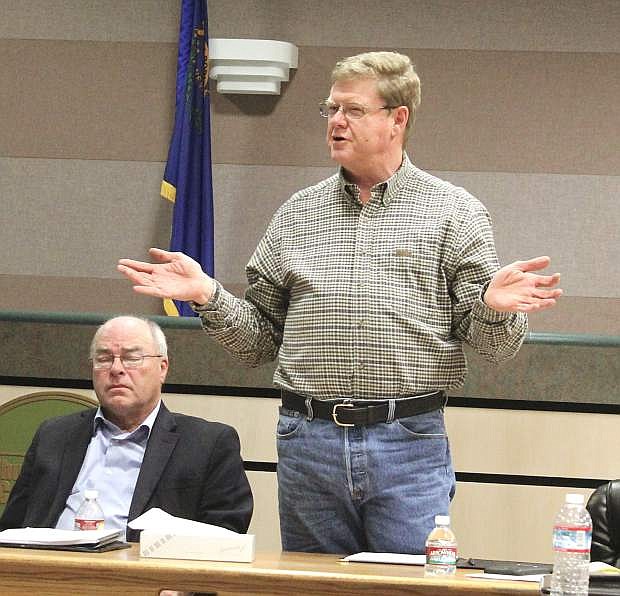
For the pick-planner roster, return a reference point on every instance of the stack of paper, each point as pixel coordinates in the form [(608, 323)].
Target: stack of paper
[(53, 537), (391, 558), (167, 537)]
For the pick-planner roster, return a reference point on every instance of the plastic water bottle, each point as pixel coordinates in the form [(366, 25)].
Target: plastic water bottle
[(572, 535), (441, 548), (89, 515)]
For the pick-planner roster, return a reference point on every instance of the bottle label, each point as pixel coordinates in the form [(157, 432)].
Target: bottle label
[(441, 555), (88, 524), (572, 539)]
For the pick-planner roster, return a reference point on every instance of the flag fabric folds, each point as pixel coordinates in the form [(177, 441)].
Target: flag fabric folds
[(187, 177)]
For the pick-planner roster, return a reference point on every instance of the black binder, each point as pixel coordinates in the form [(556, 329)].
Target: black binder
[(505, 567), (82, 548)]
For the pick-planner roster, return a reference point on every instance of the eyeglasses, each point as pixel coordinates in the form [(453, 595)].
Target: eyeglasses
[(327, 109), (106, 361)]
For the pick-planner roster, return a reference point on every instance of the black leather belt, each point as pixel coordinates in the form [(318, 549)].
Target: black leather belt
[(359, 412)]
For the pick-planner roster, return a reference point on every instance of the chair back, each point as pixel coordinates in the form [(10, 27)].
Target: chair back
[(19, 420), (604, 508)]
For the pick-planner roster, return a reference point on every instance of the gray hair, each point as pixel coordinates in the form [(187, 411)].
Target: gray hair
[(398, 83), (159, 339)]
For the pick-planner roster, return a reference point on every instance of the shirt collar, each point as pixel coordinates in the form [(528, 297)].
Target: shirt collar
[(387, 189), (147, 424)]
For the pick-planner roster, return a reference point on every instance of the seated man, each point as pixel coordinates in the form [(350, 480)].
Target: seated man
[(131, 449)]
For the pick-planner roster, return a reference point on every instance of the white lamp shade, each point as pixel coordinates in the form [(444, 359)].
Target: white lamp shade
[(250, 66)]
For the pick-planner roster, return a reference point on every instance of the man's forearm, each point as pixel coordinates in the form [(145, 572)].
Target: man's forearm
[(240, 328)]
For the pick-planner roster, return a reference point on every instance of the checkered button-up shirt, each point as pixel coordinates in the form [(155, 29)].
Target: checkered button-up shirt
[(369, 301)]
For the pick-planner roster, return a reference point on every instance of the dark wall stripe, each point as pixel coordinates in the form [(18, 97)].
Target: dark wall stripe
[(455, 401), (44, 382), (512, 479), (259, 466), (530, 480), (491, 403)]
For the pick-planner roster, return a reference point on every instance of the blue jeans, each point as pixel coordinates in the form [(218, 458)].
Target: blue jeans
[(370, 488)]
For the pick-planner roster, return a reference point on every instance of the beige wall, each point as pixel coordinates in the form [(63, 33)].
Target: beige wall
[(519, 106), (491, 520)]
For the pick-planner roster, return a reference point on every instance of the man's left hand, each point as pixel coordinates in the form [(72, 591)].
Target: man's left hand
[(515, 288)]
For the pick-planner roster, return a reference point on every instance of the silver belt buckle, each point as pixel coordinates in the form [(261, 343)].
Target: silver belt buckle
[(335, 414)]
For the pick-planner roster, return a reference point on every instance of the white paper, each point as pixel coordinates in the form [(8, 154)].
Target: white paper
[(54, 537), (392, 558), (159, 520), (514, 578), (600, 567)]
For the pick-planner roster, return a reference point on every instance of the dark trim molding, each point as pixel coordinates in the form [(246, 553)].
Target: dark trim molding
[(513, 479), (493, 403), (260, 466), (454, 401), (227, 390), (529, 480), (46, 382)]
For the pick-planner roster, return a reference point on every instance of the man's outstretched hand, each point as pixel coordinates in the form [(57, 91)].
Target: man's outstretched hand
[(516, 288), (173, 275)]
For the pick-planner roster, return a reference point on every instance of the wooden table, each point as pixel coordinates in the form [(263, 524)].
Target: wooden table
[(55, 573)]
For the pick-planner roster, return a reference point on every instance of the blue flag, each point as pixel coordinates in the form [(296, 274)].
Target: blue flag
[(187, 178)]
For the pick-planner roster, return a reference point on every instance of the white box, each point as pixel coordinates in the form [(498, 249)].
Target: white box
[(162, 544)]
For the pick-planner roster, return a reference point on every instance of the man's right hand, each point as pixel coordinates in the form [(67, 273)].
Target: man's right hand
[(174, 275)]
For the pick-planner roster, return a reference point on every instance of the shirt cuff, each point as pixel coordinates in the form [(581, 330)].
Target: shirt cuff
[(485, 313), (212, 304), (215, 314)]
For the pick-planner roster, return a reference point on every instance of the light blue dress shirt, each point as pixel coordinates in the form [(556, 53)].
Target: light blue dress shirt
[(111, 467)]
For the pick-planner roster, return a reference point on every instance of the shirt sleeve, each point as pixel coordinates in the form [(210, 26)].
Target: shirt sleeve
[(251, 328), (496, 336)]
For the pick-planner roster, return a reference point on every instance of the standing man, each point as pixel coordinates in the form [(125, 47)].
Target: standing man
[(131, 449), (365, 286)]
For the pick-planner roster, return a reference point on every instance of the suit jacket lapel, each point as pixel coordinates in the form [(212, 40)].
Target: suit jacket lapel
[(71, 458), (159, 448)]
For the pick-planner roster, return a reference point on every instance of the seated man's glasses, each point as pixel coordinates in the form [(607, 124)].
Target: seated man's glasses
[(327, 109), (106, 361)]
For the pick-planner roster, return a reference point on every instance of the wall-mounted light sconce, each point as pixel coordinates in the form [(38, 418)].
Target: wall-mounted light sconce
[(252, 66)]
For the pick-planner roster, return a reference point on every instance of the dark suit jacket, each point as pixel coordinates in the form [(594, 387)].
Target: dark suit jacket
[(191, 469)]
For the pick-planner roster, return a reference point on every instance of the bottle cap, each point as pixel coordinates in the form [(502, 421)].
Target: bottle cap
[(574, 499), (91, 494), (442, 520)]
